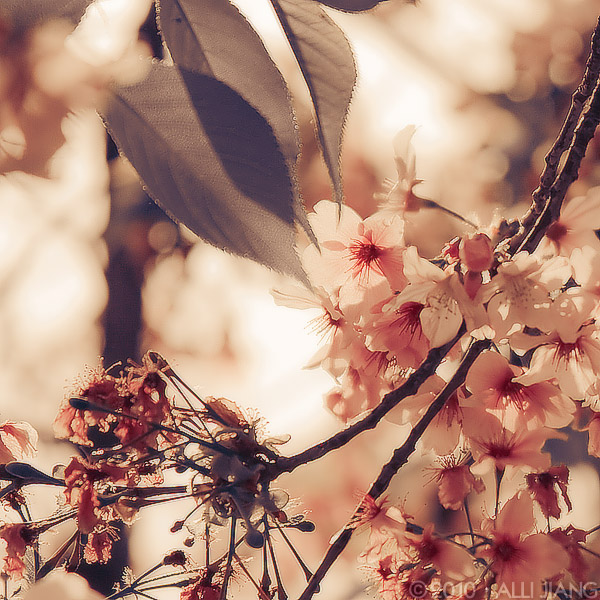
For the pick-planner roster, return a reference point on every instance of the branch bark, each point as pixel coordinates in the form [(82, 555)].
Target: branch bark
[(574, 137), (287, 464), (399, 459)]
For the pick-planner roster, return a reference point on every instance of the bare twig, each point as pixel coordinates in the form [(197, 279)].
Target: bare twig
[(398, 459)]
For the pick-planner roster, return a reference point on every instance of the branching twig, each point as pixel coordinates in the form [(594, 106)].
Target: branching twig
[(370, 421), (398, 459)]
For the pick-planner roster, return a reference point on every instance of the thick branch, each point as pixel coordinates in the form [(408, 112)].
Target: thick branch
[(584, 133), (370, 421), (537, 217), (398, 460)]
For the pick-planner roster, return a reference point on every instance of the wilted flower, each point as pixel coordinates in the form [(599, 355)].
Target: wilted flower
[(18, 440)]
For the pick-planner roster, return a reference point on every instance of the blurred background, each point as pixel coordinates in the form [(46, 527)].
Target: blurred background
[(90, 267)]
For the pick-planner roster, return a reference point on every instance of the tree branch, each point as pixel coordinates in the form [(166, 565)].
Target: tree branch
[(548, 197), (287, 464), (399, 459)]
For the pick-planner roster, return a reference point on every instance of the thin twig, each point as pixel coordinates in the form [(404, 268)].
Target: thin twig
[(399, 458)]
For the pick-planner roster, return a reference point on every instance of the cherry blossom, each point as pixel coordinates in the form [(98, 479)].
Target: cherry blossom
[(569, 352), (455, 482), (18, 440), (60, 585), (453, 562), (493, 445), (519, 294), (445, 302), (519, 556), (495, 384), (354, 254), (575, 227)]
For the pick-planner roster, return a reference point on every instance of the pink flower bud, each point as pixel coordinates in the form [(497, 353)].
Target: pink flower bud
[(476, 252)]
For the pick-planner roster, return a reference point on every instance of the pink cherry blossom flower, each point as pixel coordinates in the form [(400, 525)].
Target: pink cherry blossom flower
[(519, 294), (444, 432), (397, 328), (570, 353), (452, 562), (387, 528), (444, 299), (495, 384), (492, 445), (520, 559), (455, 482), (575, 227), (570, 539), (358, 391), (336, 331), (354, 254)]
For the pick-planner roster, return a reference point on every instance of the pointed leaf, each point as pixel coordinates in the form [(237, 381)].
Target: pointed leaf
[(213, 38), (211, 160), (351, 5), (23, 14), (327, 64)]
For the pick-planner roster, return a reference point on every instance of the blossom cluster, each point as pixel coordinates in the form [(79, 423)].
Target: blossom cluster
[(134, 431), (383, 308)]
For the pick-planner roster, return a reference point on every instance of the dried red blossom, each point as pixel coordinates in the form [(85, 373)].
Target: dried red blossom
[(542, 488), (99, 545), (204, 588), (18, 440), (81, 479), (18, 536)]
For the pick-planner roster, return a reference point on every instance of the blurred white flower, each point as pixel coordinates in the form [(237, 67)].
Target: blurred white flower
[(60, 585)]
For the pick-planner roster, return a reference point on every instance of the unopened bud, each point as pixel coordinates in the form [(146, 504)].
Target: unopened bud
[(177, 526), (254, 538), (176, 558), (476, 252), (304, 526)]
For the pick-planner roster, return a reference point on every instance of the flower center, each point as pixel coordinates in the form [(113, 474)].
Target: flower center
[(506, 551), (408, 318), (513, 393), (566, 351), (499, 450), (556, 232), (365, 256)]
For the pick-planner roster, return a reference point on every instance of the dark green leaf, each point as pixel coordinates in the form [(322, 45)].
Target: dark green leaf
[(212, 37), (211, 160), (327, 64), (351, 5)]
